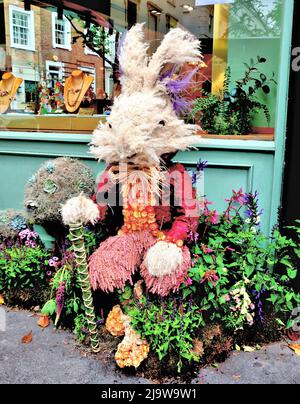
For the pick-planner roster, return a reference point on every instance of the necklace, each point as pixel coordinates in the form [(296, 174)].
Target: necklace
[(5, 93), (78, 91)]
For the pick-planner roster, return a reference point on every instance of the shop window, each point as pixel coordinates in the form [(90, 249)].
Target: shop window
[(54, 73), (22, 29), (241, 40), (171, 22)]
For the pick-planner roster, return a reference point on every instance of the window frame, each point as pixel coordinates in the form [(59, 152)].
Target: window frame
[(67, 34), (31, 31)]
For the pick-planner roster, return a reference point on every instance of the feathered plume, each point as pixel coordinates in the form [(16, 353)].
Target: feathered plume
[(133, 59), (178, 47), (176, 88)]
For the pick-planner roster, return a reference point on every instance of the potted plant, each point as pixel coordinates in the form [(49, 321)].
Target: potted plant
[(231, 111)]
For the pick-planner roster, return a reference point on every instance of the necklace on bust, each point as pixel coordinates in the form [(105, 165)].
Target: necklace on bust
[(6, 92), (77, 91)]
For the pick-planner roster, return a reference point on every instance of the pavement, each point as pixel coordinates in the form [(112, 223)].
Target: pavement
[(53, 358)]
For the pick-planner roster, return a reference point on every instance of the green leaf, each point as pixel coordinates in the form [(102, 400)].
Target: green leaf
[(49, 308), (250, 259), (75, 307), (211, 296), (292, 273)]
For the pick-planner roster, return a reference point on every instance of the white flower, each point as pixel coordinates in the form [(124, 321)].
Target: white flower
[(258, 220)]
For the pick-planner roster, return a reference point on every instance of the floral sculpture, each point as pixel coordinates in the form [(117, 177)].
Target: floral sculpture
[(142, 134), (149, 202)]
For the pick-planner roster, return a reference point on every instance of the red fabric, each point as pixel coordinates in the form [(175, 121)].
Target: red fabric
[(187, 206), (185, 197), (103, 186)]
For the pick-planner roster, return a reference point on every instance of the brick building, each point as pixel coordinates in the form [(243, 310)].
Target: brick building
[(38, 46), (35, 45)]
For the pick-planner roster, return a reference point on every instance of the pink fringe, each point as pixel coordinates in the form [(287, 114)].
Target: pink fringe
[(169, 283), (116, 260)]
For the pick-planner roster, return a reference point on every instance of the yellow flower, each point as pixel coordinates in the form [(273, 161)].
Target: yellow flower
[(2, 300)]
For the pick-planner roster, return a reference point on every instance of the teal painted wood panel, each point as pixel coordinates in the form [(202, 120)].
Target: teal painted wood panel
[(232, 164), (234, 169)]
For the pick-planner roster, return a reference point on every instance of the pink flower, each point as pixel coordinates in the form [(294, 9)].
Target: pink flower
[(207, 250), (227, 298), (210, 276), (206, 210), (213, 217), (189, 282), (239, 197)]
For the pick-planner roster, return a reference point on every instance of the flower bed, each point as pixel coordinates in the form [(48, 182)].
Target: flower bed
[(238, 292)]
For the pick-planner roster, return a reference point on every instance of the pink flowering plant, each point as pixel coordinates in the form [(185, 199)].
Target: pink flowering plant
[(239, 280), (23, 263), (239, 276)]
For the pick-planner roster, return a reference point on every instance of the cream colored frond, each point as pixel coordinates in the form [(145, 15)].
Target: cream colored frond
[(178, 47), (133, 59)]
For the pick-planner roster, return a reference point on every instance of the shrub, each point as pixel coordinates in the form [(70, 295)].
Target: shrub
[(23, 268), (239, 280)]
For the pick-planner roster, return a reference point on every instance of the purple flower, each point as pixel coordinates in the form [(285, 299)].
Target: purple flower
[(60, 300), (201, 166)]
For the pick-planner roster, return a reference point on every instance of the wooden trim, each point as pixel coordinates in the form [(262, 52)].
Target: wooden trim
[(261, 136), (86, 125)]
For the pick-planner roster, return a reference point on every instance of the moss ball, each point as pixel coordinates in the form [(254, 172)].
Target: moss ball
[(55, 182)]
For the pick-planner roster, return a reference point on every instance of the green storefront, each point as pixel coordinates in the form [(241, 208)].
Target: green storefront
[(252, 162)]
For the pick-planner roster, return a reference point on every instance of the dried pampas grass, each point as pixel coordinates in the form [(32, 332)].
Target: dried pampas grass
[(80, 210), (163, 259), (169, 283), (114, 263)]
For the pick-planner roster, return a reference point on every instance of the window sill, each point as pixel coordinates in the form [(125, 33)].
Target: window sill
[(68, 123), (50, 123), (68, 48), (23, 48)]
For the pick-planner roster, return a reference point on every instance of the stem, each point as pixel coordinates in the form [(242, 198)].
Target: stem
[(77, 239)]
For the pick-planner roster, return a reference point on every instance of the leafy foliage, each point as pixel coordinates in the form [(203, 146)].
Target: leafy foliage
[(71, 301), (231, 112), (168, 326), (22, 267), (250, 270), (239, 279)]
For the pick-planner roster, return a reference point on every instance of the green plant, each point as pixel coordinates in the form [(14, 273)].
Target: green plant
[(22, 267), (65, 301), (238, 272), (231, 112), (81, 327), (169, 326)]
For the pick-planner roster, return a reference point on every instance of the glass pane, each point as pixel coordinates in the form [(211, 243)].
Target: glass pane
[(234, 91)]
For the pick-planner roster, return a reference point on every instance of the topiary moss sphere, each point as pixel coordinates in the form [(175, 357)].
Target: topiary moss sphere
[(54, 183)]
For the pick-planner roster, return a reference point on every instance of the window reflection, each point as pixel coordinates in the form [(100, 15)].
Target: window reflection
[(43, 45)]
